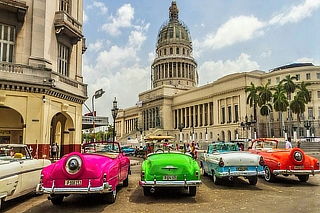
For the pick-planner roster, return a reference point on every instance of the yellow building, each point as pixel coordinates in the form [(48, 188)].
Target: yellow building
[(215, 111), (41, 85)]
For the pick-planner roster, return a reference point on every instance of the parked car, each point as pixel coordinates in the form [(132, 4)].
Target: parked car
[(99, 171), (128, 150), (19, 172), (284, 161), (166, 168), (225, 161)]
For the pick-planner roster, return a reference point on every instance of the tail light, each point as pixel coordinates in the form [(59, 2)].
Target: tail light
[(318, 164), (73, 164), (221, 163), (261, 161), (197, 173), (142, 175), (298, 156), (104, 177)]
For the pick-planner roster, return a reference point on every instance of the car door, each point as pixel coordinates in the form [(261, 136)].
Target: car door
[(10, 180), (124, 166)]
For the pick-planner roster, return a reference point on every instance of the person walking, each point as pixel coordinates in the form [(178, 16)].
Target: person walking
[(288, 143), (54, 151)]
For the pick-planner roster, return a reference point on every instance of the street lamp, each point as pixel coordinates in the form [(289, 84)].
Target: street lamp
[(97, 94), (114, 111), (192, 134), (180, 127), (206, 134), (246, 125), (141, 137), (307, 125), (295, 135)]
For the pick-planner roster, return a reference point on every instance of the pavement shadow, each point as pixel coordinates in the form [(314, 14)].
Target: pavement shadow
[(73, 203), (8, 205), (236, 184), (290, 182), (163, 195)]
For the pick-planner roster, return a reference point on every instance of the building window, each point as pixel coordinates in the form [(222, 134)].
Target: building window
[(298, 77), (65, 5), (183, 51), (177, 51), (318, 75), (278, 80), (171, 51), (223, 115), (236, 113), (63, 59), (269, 80), (318, 112), (229, 114), (310, 113), (318, 94), (165, 51), (211, 135), (308, 76), (7, 40)]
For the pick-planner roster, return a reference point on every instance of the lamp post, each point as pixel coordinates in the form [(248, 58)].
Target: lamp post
[(180, 127), (295, 135), (97, 94), (141, 137), (246, 125), (193, 134), (206, 134), (307, 125), (114, 111), (285, 130)]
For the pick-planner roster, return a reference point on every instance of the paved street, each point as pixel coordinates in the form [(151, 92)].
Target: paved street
[(286, 195)]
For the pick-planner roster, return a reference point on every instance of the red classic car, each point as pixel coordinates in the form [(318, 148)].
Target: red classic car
[(284, 161), (98, 171)]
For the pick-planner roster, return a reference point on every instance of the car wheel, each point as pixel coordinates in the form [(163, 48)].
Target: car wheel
[(110, 197), (253, 180), (56, 199), (215, 179), (146, 191), (303, 178), (192, 191), (126, 182), (268, 174)]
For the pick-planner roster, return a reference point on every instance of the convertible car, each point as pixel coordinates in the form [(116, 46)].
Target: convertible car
[(99, 171), (166, 168), (284, 161), (19, 172), (224, 161)]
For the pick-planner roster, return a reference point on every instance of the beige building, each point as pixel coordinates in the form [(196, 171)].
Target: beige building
[(41, 85), (216, 111)]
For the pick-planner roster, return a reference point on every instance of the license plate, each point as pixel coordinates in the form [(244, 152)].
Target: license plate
[(169, 177), (298, 167), (73, 182), (242, 168)]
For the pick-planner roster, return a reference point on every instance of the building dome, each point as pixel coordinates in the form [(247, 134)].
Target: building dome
[(174, 64)]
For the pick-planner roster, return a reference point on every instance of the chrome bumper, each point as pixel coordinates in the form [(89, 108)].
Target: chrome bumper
[(295, 172), (240, 173), (105, 188), (175, 183)]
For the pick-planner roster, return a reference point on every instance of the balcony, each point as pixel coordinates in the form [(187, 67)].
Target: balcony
[(15, 6), (37, 77), (68, 26)]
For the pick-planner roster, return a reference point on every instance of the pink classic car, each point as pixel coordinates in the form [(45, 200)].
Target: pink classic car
[(97, 171)]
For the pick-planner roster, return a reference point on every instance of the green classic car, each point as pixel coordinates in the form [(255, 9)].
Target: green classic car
[(169, 169)]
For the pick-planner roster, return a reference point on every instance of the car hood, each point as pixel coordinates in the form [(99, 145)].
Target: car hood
[(235, 158), (93, 166)]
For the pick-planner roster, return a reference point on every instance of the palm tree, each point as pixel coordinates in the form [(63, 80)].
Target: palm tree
[(265, 96), (298, 104), (280, 101), (253, 98), (289, 85)]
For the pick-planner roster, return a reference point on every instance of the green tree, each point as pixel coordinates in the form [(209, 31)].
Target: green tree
[(265, 97), (302, 97), (288, 85), (280, 101), (253, 98)]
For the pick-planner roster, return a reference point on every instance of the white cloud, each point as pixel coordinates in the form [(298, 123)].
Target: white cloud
[(266, 54), (85, 17), (136, 38), (296, 13), (96, 46), (212, 70), (237, 29), (99, 5), (123, 19), (308, 60)]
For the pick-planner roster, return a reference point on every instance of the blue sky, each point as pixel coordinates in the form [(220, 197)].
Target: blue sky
[(228, 36)]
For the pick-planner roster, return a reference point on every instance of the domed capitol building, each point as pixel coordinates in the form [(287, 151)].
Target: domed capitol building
[(213, 111)]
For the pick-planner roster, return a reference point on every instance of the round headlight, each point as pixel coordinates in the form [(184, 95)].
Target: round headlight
[(73, 164), (298, 156)]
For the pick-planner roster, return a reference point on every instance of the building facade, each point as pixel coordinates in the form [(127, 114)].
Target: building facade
[(41, 85), (215, 111)]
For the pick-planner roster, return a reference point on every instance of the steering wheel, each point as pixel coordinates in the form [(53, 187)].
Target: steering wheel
[(159, 151)]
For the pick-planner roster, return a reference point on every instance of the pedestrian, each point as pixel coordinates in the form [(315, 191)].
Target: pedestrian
[(298, 143), (288, 143), (54, 151)]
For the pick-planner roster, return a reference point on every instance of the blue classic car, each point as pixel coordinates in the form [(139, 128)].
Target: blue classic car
[(128, 150), (225, 161)]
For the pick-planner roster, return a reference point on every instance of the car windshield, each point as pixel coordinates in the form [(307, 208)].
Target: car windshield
[(102, 148), (222, 147), (10, 153), (265, 144)]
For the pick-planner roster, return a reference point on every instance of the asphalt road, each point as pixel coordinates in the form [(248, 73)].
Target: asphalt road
[(285, 195)]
